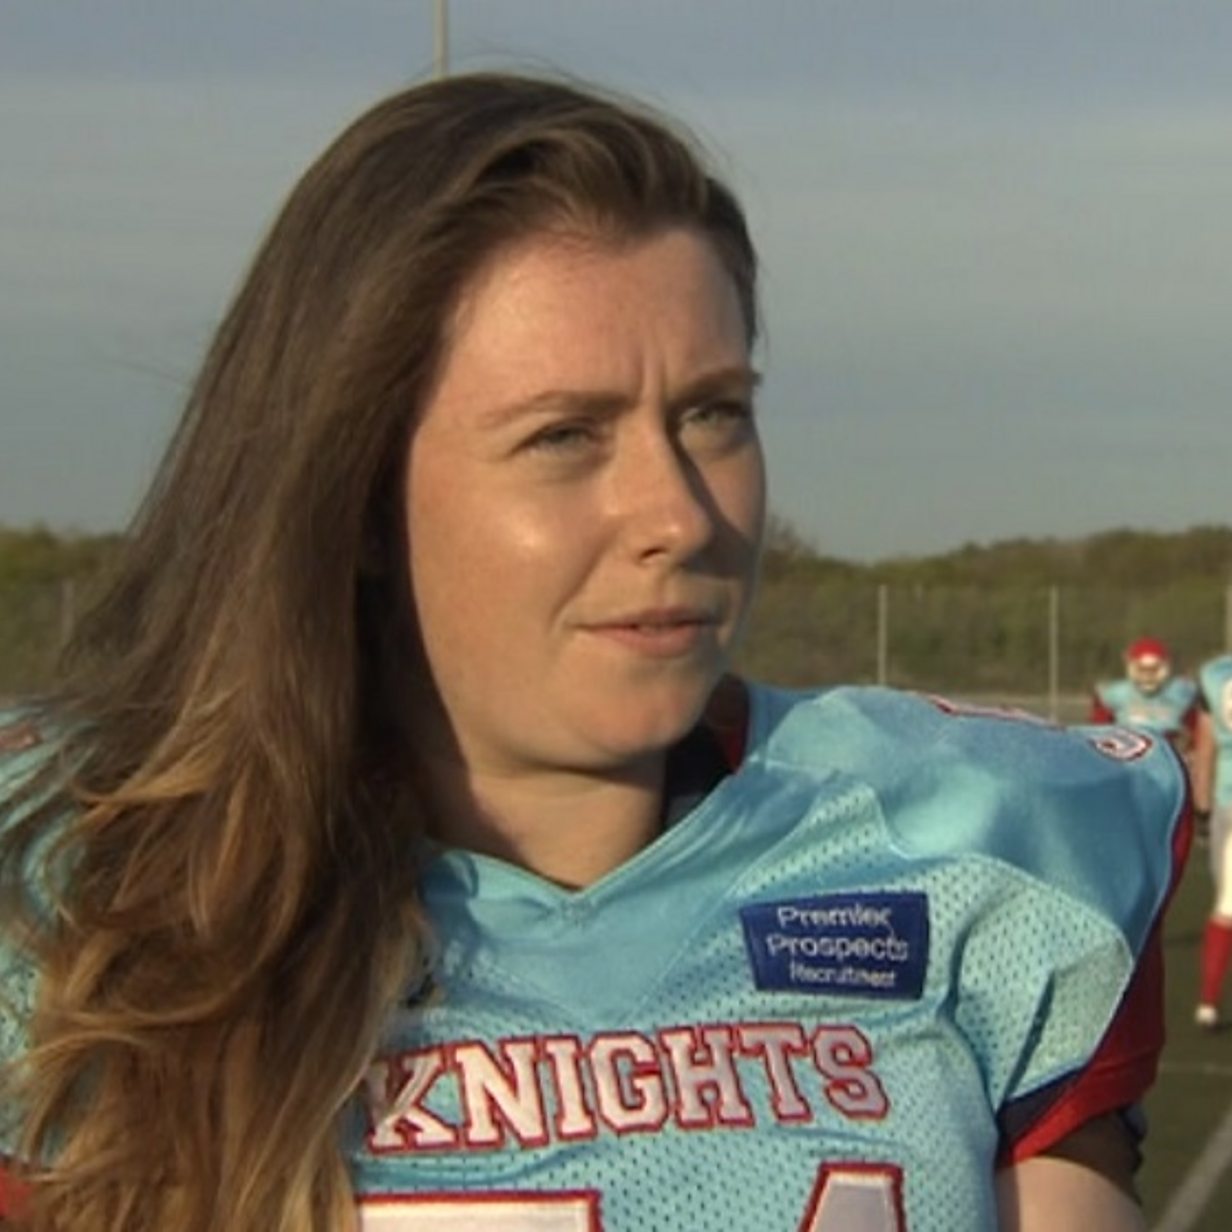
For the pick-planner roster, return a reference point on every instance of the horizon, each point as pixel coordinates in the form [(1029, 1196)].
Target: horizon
[(73, 535)]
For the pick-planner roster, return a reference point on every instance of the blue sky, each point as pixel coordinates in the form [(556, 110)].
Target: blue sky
[(998, 269)]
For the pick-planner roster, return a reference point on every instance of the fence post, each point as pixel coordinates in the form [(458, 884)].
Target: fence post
[(883, 632), (1054, 652), (68, 608), (440, 39)]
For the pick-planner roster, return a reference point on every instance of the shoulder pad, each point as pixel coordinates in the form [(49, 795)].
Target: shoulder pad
[(1097, 812), (1214, 673), (1183, 689), (1108, 690)]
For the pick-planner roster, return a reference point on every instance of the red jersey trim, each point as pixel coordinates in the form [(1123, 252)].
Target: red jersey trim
[(13, 1192), (1099, 712), (727, 716)]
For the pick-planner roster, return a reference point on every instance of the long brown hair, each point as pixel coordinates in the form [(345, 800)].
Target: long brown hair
[(226, 848)]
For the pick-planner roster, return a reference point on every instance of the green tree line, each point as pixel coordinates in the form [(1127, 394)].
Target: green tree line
[(982, 618), (979, 619)]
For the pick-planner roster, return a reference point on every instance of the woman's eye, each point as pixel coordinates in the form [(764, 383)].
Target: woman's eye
[(727, 419), (561, 438), (723, 409)]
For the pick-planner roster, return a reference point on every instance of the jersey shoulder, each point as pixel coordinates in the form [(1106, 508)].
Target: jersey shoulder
[(1097, 813), (1113, 694), (1182, 691), (1215, 680), (1214, 675)]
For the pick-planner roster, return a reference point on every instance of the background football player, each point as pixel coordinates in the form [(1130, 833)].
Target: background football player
[(1149, 695), (1212, 787)]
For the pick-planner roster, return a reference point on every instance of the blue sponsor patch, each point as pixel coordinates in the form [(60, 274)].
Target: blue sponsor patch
[(844, 945)]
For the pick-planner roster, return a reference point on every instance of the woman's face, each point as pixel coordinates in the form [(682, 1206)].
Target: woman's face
[(584, 503)]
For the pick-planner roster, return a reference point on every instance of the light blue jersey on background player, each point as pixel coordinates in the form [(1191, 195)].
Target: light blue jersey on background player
[(1163, 713), (1149, 696), (1215, 680), (1213, 791), (905, 935)]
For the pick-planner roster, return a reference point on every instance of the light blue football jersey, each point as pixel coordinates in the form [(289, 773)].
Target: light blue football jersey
[(1215, 679), (1164, 712), (883, 953)]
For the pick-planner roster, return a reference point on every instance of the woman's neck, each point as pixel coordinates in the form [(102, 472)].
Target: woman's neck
[(569, 828)]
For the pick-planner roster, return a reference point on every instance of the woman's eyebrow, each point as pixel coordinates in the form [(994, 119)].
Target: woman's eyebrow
[(599, 402), (574, 401), (736, 379)]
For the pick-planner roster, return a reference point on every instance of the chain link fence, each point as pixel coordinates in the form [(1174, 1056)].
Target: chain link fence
[(1038, 646)]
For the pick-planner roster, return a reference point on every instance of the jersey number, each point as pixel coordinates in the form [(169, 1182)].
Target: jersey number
[(845, 1198)]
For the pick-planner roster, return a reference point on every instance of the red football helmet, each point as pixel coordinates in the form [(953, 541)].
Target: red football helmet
[(1148, 664)]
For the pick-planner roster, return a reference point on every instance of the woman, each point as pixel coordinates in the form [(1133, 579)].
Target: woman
[(394, 847)]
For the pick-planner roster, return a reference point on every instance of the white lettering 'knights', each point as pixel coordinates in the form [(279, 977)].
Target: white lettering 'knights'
[(617, 1082)]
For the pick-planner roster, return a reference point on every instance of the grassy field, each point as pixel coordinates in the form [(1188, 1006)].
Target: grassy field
[(1193, 1096)]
